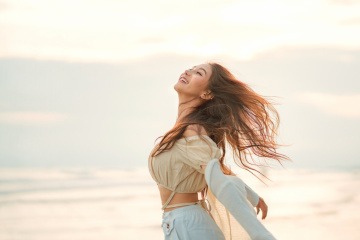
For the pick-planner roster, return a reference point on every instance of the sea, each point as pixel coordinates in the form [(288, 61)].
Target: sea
[(116, 204)]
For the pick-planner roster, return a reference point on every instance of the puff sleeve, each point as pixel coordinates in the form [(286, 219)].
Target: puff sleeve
[(198, 150)]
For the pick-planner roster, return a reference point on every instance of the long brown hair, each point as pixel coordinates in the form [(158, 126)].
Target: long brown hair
[(236, 116)]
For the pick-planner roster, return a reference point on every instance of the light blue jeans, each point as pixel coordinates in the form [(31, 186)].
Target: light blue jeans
[(190, 223)]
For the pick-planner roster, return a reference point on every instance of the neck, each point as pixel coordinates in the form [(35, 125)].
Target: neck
[(185, 106)]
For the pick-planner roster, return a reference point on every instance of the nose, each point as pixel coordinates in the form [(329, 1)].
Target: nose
[(187, 71)]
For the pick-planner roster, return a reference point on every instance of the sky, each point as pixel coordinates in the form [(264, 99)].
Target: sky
[(90, 83)]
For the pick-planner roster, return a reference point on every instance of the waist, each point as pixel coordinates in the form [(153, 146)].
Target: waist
[(183, 210), (178, 199), (181, 199)]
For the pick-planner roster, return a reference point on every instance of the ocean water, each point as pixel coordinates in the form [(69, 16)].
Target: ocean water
[(113, 204)]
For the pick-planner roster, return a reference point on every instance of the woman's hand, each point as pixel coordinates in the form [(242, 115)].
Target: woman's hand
[(264, 208)]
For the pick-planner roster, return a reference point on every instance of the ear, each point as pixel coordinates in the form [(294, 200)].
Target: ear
[(207, 95)]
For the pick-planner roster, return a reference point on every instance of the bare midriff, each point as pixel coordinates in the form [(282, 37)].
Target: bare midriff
[(178, 197)]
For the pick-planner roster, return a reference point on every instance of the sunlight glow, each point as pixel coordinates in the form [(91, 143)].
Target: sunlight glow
[(113, 31), (341, 105)]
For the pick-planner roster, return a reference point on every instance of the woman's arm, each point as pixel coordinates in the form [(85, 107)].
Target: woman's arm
[(229, 190), (251, 195), (253, 198), (256, 201)]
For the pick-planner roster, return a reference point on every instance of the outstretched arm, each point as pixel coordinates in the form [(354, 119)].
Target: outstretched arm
[(254, 199), (230, 191), (251, 195)]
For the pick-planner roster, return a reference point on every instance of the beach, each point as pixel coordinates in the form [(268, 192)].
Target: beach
[(109, 204)]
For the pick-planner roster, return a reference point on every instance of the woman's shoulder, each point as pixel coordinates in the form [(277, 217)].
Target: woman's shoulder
[(196, 135), (194, 130)]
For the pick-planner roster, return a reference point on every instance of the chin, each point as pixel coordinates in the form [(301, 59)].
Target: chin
[(176, 87)]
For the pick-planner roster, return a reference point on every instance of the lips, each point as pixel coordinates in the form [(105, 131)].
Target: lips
[(182, 79)]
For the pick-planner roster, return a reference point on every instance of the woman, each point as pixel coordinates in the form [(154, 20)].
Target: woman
[(216, 111)]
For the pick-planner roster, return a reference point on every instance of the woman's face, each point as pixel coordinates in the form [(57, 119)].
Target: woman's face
[(193, 82)]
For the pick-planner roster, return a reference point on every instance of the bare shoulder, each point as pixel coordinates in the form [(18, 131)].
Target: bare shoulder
[(194, 129)]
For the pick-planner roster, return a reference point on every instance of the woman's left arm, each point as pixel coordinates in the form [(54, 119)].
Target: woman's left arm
[(227, 189), (256, 201), (253, 198)]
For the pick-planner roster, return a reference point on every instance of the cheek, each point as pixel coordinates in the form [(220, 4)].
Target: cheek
[(200, 84)]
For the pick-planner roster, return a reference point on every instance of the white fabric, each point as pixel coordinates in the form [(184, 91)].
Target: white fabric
[(231, 229), (252, 196), (232, 192)]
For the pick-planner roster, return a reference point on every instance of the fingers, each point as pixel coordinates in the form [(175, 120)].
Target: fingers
[(264, 212), (264, 208)]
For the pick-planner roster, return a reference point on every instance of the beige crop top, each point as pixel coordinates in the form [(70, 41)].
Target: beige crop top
[(179, 168)]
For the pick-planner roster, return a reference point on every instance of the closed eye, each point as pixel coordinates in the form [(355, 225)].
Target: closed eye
[(199, 73)]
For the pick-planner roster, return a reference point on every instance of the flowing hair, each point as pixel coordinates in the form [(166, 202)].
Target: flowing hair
[(237, 117)]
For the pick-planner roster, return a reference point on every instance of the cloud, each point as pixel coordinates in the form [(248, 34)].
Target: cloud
[(3, 6), (345, 2), (340, 105), (31, 117), (351, 21), (111, 105), (115, 31)]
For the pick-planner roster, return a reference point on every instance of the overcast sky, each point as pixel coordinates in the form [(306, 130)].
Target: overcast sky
[(90, 83)]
